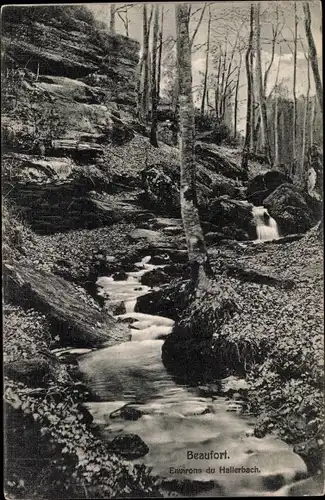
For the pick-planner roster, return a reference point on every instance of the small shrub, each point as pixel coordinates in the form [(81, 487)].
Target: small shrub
[(219, 131)]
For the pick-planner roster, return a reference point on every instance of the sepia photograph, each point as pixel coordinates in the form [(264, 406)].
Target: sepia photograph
[(162, 249)]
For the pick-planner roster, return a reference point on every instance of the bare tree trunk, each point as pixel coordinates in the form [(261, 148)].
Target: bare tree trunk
[(247, 143), (253, 97), (145, 59), (283, 135), (206, 67), (304, 131), (294, 128), (222, 89), (208, 100), (127, 23), (149, 83), (276, 116), (217, 91), (139, 90), (263, 112), (313, 55), (312, 120), (276, 132), (160, 53), (154, 101), (197, 252), (112, 18), (236, 97), (275, 32)]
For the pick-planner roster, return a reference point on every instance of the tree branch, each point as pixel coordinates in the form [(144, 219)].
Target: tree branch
[(198, 25)]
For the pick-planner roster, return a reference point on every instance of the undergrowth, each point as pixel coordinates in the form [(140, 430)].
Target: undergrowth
[(52, 447)]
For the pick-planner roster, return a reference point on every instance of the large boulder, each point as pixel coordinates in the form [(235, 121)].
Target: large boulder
[(77, 322), (168, 302), (262, 185), (290, 210), (188, 351), (225, 186), (234, 218), (149, 237), (129, 446)]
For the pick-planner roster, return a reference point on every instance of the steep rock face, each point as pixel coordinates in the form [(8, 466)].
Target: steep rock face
[(69, 44), (64, 78)]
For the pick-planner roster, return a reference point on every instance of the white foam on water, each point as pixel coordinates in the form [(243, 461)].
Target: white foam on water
[(130, 305), (265, 231)]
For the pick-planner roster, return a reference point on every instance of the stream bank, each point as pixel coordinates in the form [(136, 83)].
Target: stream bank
[(138, 397)]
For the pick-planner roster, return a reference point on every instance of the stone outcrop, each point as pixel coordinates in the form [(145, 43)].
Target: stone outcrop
[(288, 207), (233, 218), (161, 186), (70, 204), (74, 47), (70, 76), (262, 185)]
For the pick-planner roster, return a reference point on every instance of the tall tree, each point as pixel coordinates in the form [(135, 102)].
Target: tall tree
[(313, 55), (236, 96), (312, 120), (276, 116), (112, 18), (145, 64), (138, 88), (191, 43), (260, 86), (197, 252), (249, 72), (154, 100), (217, 87), (294, 128), (160, 52), (276, 130), (276, 30), (207, 55), (253, 96), (304, 130)]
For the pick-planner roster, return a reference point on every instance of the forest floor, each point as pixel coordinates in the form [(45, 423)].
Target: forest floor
[(279, 330)]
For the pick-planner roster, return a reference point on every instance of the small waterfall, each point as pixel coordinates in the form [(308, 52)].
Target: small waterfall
[(266, 226)]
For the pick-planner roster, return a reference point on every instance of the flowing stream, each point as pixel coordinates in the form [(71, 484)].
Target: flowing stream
[(178, 421)]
